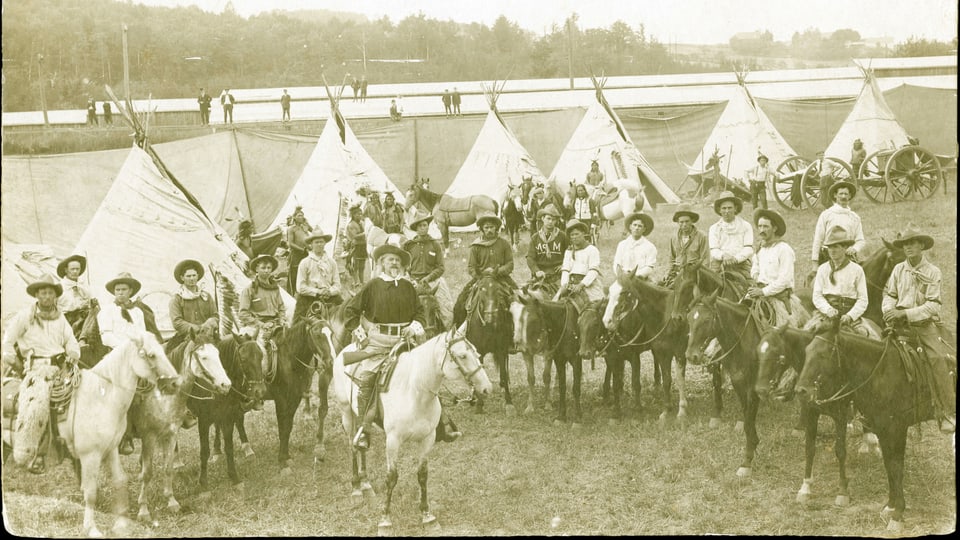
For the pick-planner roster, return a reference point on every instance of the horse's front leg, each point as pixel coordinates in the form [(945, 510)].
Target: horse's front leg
[(169, 451), (285, 411), (893, 443), (577, 379), (217, 447), (808, 418), (528, 359), (840, 448), (752, 403), (561, 390), (504, 367), (392, 454), (228, 453), (323, 407), (716, 377), (245, 445), (146, 475), (664, 360), (546, 377), (122, 525), (426, 517), (616, 369)]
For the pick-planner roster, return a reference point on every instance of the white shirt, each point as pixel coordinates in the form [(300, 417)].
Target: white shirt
[(760, 174), (44, 338), (774, 266), (114, 329), (851, 282), (585, 262), (638, 256), (844, 217), (734, 239), (74, 297)]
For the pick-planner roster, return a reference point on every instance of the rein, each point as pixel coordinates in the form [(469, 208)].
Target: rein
[(743, 332), (841, 394)]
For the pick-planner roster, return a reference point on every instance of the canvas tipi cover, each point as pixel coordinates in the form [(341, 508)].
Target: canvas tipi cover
[(329, 182), (497, 161), (871, 121), (741, 134), (145, 226), (602, 137), (22, 265)]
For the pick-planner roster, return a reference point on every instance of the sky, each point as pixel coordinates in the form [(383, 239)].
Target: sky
[(669, 21)]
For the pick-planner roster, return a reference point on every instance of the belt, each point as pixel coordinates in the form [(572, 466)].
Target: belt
[(391, 329), (840, 303)]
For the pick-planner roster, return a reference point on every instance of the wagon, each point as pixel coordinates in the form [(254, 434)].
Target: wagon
[(798, 183)]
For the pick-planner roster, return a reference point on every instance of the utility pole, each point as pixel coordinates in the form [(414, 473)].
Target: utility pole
[(363, 40), (43, 96), (570, 51), (126, 65)]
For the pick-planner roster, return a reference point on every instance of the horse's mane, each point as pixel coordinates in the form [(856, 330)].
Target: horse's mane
[(429, 198), (108, 364)]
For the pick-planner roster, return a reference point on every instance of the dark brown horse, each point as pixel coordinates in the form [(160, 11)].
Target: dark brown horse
[(241, 359), (554, 326), (489, 327), (449, 211), (595, 341), (873, 373)]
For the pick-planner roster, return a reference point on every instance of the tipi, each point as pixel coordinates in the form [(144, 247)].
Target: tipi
[(497, 162), (601, 137), (743, 132), (871, 121), (329, 181)]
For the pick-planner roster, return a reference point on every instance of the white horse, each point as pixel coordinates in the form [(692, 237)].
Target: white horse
[(96, 419), (411, 409)]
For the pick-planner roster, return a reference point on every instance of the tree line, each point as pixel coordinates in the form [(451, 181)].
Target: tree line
[(73, 47)]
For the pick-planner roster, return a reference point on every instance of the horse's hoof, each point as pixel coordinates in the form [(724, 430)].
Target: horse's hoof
[(319, 453), (803, 497), (205, 495), (239, 487), (214, 458), (356, 497), (247, 449), (895, 526), (529, 410), (714, 423), (682, 412), (143, 515), (178, 465), (286, 471), (842, 501), (663, 417), (367, 490), (743, 472), (576, 426), (121, 527), (428, 519), (886, 513), (385, 528), (796, 433), (173, 506), (94, 532), (511, 410), (738, 427)]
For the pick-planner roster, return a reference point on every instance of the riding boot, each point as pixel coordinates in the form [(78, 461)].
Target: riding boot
[(366, 411), (444, 434)]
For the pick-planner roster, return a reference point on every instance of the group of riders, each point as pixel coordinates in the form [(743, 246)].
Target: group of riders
[(563, 261)]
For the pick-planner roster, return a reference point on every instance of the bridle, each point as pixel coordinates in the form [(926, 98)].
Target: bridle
[(843, 393), (241, 388), (452, 339), (718, 328)]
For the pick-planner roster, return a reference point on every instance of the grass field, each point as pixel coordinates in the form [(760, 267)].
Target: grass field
[(515, 475)]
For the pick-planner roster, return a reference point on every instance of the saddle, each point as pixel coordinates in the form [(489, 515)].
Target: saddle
[(919, 371), (455, 204)]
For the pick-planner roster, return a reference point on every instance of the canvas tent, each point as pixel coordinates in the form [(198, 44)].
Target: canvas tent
[(22, 265), (602, 137), (871, 121), (497, 161), (329, 181), (145, 225), (742, 133)]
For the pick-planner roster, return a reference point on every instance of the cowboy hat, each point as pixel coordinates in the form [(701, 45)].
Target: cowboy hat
[(837, 236), (548, 210), (317, 233), (727, 196), (780, 226), (43, 282), (647, 222), (686, 210), (261, 258), (124, 278), (62, 267), (913, 234), (577, 224), (841, 184), (390, 249), (763, 157), (488, 216), (417, 218), (185, 265)]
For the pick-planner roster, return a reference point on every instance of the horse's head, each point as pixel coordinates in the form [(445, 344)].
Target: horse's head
[(591, 330), (772, 360), (466, 362), (145, 355), (250, 383), (33, 415), (621, 308), (487, 296), (821, 366), (703, 322), (527, 324), (431, 314), (203, 362), (413, 195), (321, 344), (684, 290)]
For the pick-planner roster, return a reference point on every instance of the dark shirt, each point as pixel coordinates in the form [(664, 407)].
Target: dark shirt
[(446, 98), (455, 97), (386, 302), (546, 255), (285, 101), (204, 101), (392, 219), (426, 258), (498, 255)]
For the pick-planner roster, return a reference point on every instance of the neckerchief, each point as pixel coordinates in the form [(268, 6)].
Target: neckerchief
[(395, 280), (69, 284), (49, 315), (487, 243), (125, 309), (834, 268), (187, 294)]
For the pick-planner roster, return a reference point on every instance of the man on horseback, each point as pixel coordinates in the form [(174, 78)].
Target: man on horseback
[(318, 278), (840, 288), (122, 320), (546, 252), (490, 255), (389, 313), (689, 246), (580, 271), (261, 307), (191, 306), (76, 302), (840, 215), (39, 335), (731, 238), (772, 271), (426, 265), (911, 305), (635, 258)]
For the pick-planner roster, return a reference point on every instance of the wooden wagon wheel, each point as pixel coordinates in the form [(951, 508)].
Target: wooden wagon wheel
[(812, 185), (873, 179), (913, 173), (786, 184)]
